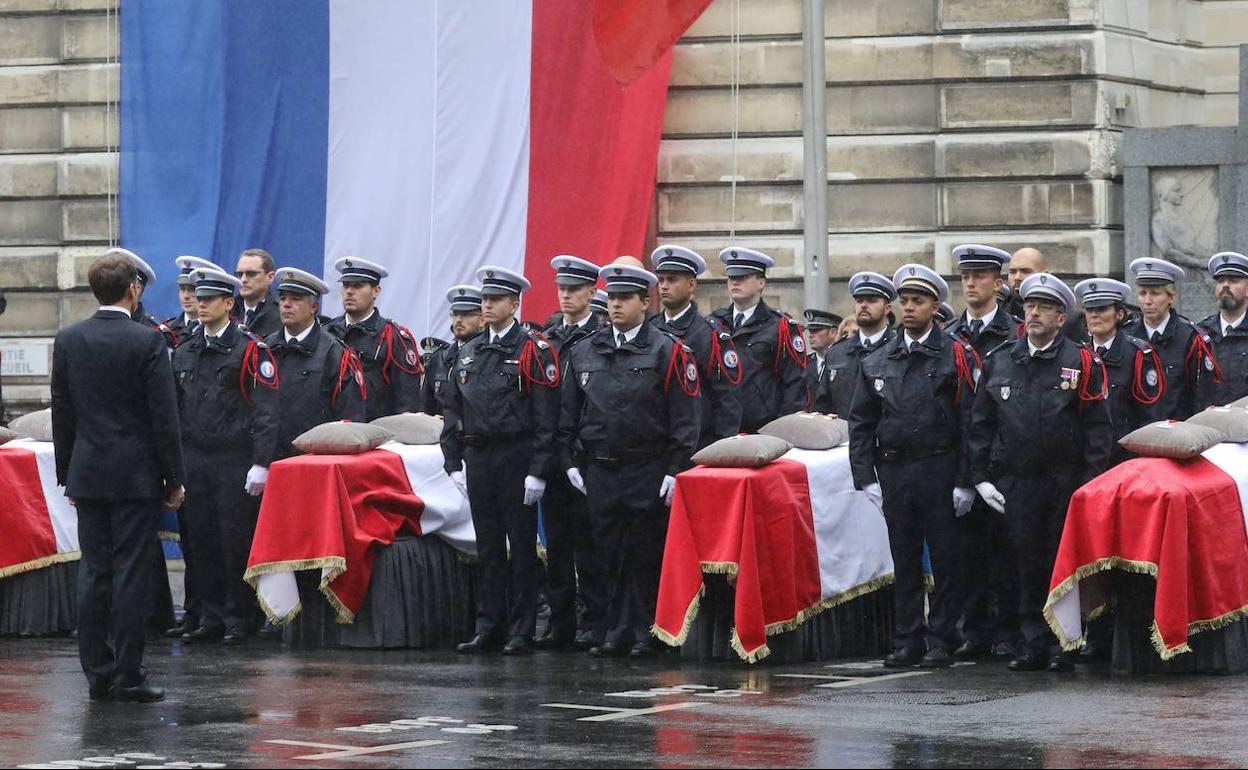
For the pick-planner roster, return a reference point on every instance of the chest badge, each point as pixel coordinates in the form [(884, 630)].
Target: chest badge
[(551, 372), (879, 385), (465, 361), (463, 376), (584, 379), (831, 375), (1005, 392), (1151, 378), (730, 359), (266, 370), (1070, 378)]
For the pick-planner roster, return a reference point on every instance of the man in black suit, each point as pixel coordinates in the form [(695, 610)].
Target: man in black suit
[(256, 310), (118, 454)]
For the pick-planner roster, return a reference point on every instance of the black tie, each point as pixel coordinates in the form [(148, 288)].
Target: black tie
[(567, 330), (1156, 338), (737, 320), (977, 326), (249, 316), (1101, 350), (621, 339)]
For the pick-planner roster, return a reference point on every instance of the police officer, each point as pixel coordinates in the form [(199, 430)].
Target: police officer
[(769, 343), (388, 351), (319, 379), (598, 305), (822, 328), (906, 453), (677, 269), (502, 406), (227, 398), (1227, 330), (945, 314), (185, 323), (991, 620), (466, 323), (1133, 367), (630, 401), (147, 276), (256, 308), (873, 294), (1185, 351), (1041, 417), (572, 566)]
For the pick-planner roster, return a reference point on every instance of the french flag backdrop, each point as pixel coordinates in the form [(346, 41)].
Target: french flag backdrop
[(432, 136)]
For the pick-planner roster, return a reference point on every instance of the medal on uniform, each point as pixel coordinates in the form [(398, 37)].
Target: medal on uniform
[(879, 386), (1070, 378), (1005, 392)]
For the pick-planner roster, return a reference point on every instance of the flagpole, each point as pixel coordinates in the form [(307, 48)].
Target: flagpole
[(814, 157)]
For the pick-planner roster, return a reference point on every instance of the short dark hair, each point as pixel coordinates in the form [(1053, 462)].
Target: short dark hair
[(266, 259), (110, 277)]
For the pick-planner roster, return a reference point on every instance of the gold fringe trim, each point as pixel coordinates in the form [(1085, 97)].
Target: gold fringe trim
[(690, 613), (1141, 568), (40, 563), (336, 564), (1082, 573)]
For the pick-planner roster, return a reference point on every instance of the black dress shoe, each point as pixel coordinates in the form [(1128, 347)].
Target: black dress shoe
[(235, 638), (554, 640), (1004, 650), (643, 649), (1061, 664), (518, 645), (269, 631), (587, 640), (177, 631), (100, 693), (141, 693), (936, 658), (609, 650), (972, 651), (1028, 661), (903, 658), (204, 634), (478, 643)]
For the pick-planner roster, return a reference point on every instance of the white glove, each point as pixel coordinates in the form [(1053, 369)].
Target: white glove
[(574, 478), (256, 478), (667, 490), (875, 495), (533, 489), (963, 497), (461, 483), (995, 500)]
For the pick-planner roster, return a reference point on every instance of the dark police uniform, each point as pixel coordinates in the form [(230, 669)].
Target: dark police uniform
[(172, 340), (817, 375), (228, 404), (636, 425), (1230, 342), (436, 360), (502, 406), (1041, 424), (392, 368), (905, 431), (719, 366), (182, 326), (263, 320), (1129, 392), (319, 381), (841, 369), (772, 358)]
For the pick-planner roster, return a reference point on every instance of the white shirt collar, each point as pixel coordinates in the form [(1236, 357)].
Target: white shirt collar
[(347, 318), (1032, 349), (115, 309), (218, 332), (1106, 345), (680, 315), (301, 336), (745, 314), (579, 324), (1232, 323), (1160, 329), (188, 320), (874, 338), (495, 337), (629, 334), (986, 317), (910, 341)]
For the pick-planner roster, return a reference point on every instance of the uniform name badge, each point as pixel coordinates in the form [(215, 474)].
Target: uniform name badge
[(1070, 378)]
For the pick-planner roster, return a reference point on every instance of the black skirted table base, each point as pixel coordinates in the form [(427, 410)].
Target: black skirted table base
[(420, 595), (41, 602), (1219, 651), (857, 628)]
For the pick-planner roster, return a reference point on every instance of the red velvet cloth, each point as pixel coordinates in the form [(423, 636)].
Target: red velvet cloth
[(28, 541), (754, 524), (335, 511), (1180, 522)]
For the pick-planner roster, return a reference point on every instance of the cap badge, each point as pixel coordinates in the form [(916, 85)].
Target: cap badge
[(912, 271), (489, 273), (1044, 279)]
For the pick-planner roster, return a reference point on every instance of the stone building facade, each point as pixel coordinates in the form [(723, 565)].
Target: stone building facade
[(949, 120)]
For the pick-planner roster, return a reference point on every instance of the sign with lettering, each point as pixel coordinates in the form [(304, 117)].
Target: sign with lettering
[(24, 358)]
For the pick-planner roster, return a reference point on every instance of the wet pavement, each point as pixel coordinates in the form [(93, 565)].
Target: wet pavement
[(268, 706)]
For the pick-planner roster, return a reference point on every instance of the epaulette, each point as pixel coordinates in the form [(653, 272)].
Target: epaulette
[(1139, 343), (256, 338), (1000, 347)]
